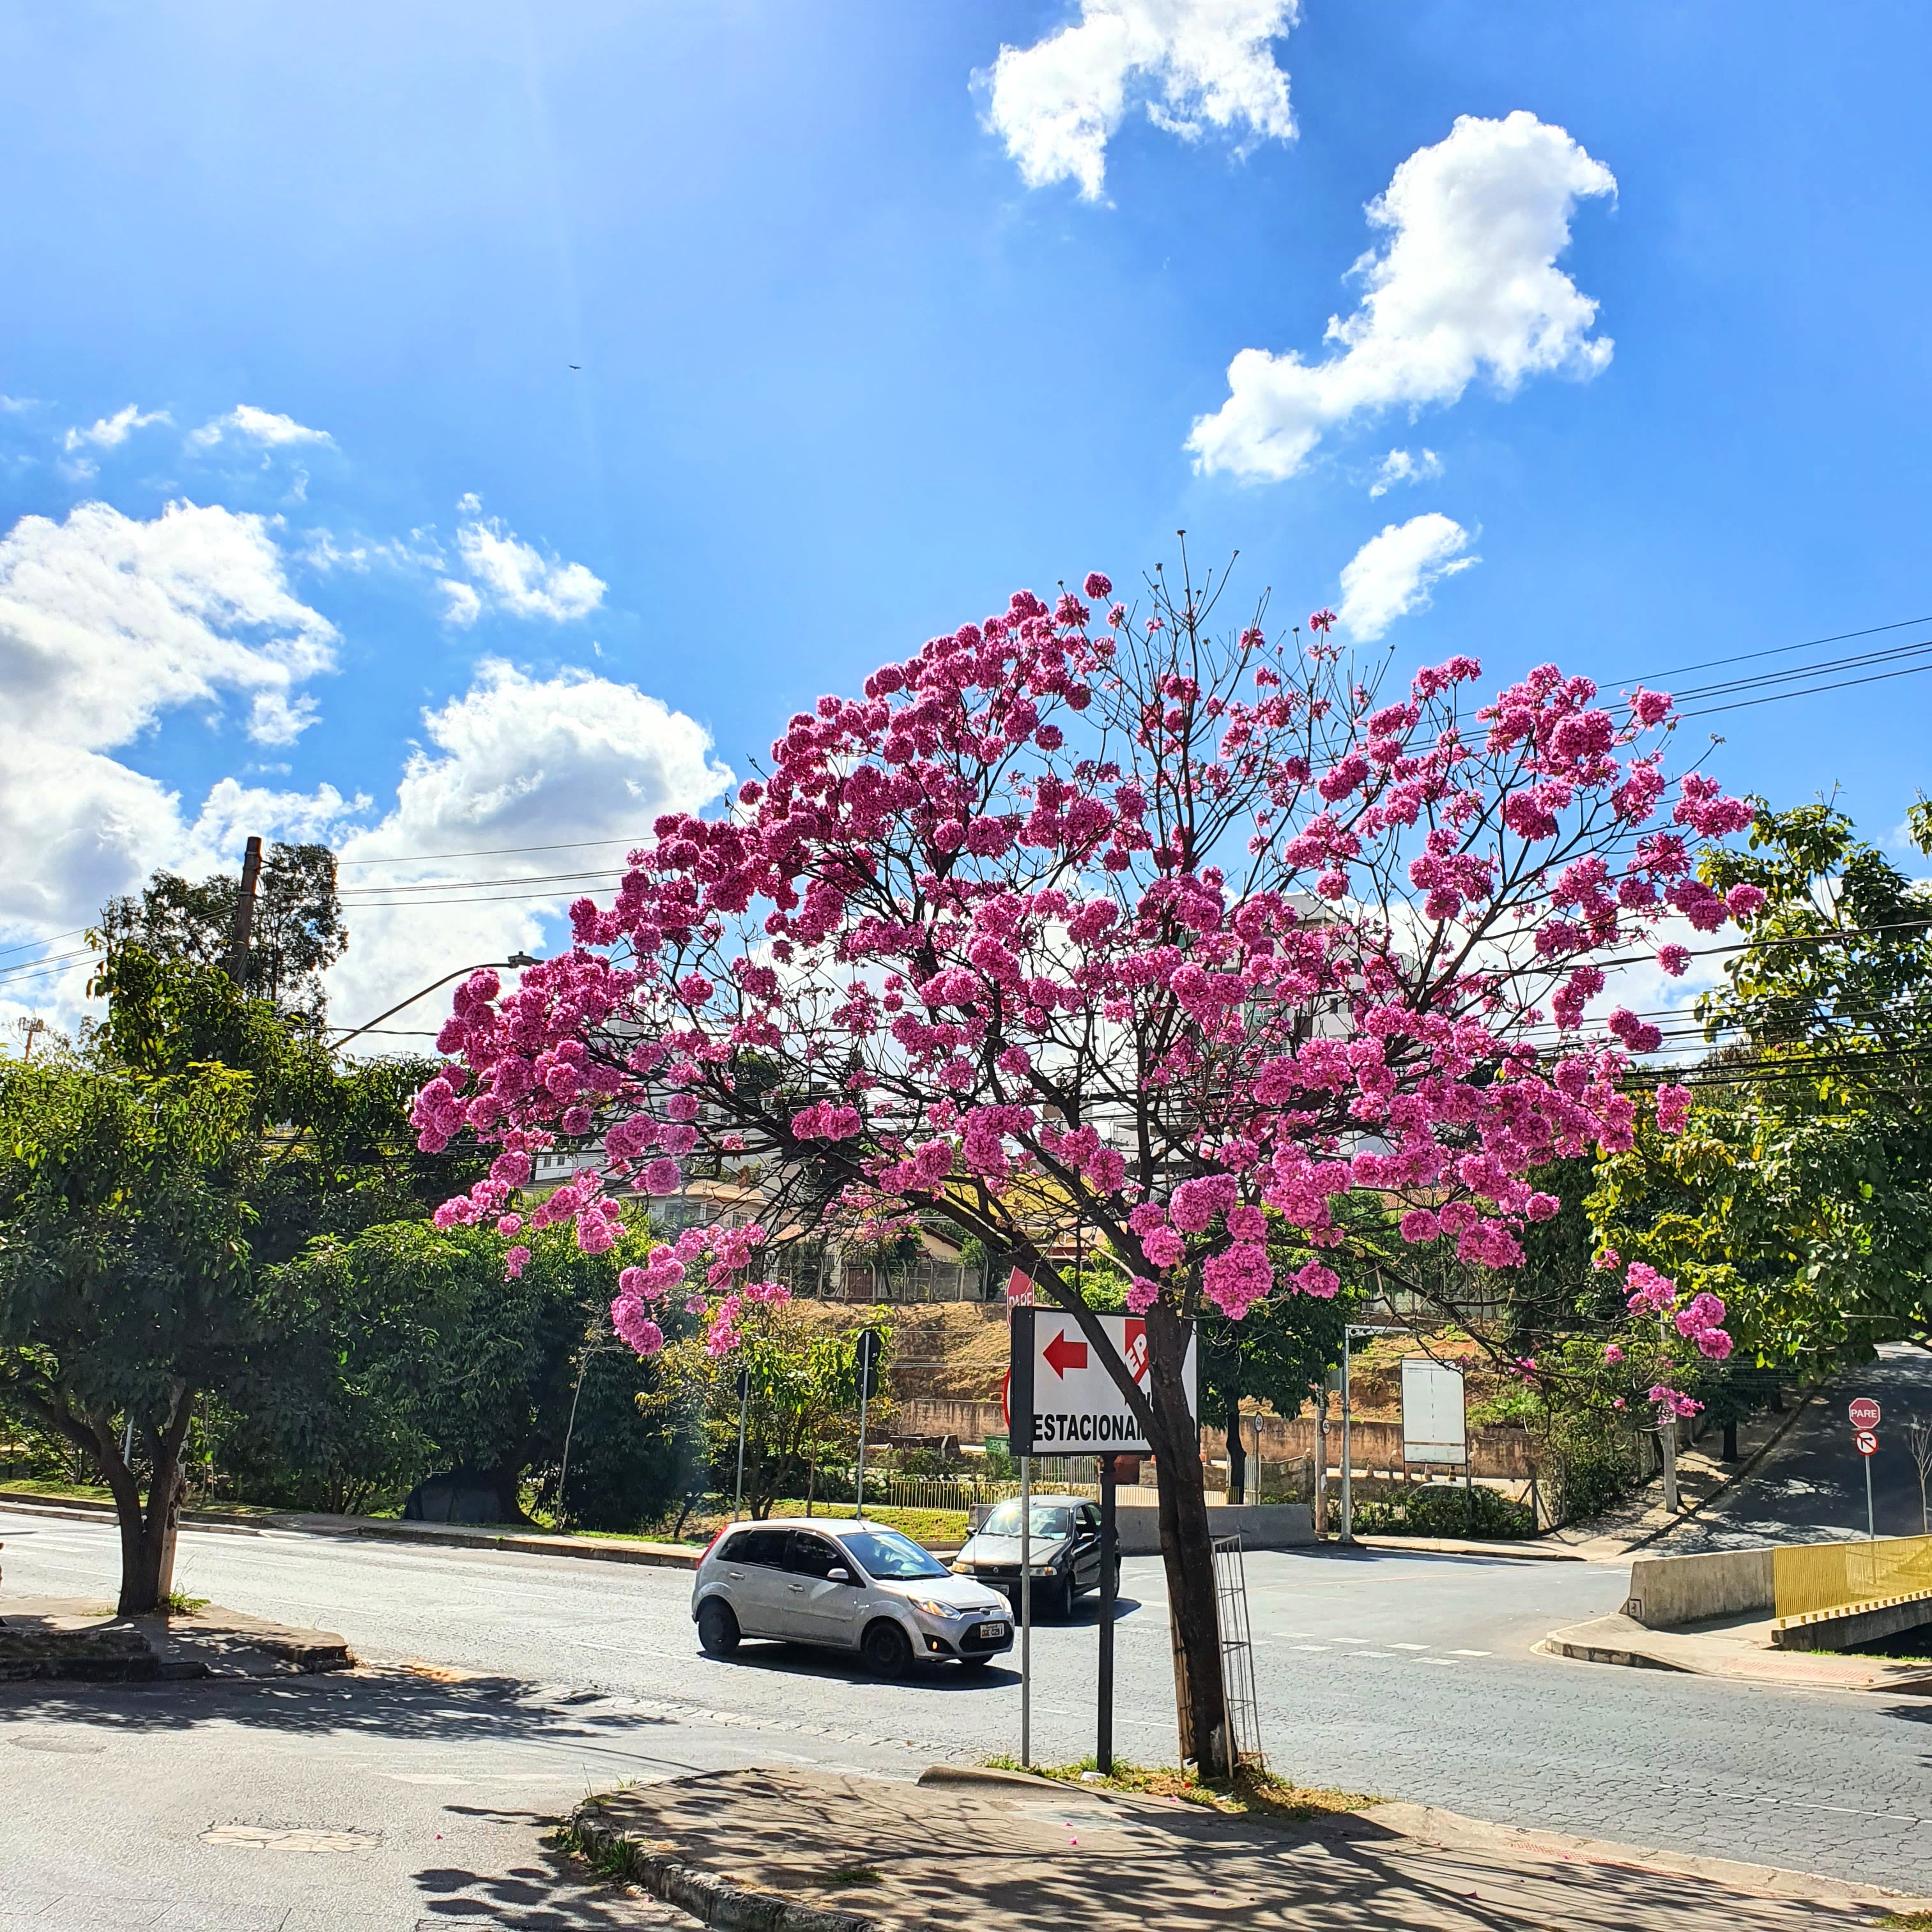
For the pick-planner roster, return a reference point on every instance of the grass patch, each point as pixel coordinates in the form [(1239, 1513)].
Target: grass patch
[(853, 1875), (945, 1527), (99, 1493), (174, 1604), (1249, 1793), (1908, 1921)]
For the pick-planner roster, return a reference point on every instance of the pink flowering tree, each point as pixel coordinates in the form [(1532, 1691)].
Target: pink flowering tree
[(1076, 919)]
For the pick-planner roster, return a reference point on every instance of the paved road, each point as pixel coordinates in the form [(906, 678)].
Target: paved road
[(1811, 1488), (1407, 1675)]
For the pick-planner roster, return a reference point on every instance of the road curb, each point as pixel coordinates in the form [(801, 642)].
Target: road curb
[(1427, 1823), (77, 1509), (708, 1899), (653, 1556), (1534, 1552)]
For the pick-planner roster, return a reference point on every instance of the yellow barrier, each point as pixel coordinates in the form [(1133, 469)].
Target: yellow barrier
[(1825, 1576)]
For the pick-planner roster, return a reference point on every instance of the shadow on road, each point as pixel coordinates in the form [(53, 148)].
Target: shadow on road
[(396, 1702)]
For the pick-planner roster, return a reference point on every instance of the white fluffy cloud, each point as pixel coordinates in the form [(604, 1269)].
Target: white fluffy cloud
[(1391, 575), (1465, 284), (111, 431), (506, 573), (1194, 65), (516, 761), (246, 424), (106, 623), (1404, 465)]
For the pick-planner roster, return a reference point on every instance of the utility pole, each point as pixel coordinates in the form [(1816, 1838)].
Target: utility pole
[(245, 913), (29, 1029), (1666, 1436)]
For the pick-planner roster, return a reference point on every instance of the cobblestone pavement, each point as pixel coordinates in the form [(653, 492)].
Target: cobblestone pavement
[(1409, 1675)]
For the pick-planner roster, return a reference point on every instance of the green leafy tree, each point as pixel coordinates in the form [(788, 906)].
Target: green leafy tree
[(1801, 1191), (125, 1279), (801, 1404), (295, 930)]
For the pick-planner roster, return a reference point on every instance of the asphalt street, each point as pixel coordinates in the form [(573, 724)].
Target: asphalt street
[(1404, 1675), (1813, 1488)]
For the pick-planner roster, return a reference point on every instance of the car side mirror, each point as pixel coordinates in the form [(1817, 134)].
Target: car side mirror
[(839, 1576)]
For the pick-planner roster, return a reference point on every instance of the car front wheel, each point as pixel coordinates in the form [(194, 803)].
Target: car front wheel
[(717, 1628), (886, 1651)]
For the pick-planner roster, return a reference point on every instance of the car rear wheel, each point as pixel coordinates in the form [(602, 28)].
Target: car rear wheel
[(717, 1628), (886, 1651)]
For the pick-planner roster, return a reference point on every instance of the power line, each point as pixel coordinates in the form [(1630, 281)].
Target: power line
[(53, 939), (1777, 650), (496, 852)]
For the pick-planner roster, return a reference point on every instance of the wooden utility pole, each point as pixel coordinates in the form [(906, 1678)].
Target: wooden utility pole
[(244, 913)]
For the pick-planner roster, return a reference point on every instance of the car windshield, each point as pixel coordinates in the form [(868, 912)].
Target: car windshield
[(1048, 1519), (885, 1553)]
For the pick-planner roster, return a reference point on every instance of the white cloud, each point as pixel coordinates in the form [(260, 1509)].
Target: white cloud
[(1465, 284), (111, 431), (1402, 466), (1193, 64), (1391, 575), (506, 573), (515, 761), (14, 406), (275, 718), (464, 606), (106, 623), (263, 427)]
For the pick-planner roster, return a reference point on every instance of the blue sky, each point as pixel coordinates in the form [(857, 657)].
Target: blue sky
[(847, 377)]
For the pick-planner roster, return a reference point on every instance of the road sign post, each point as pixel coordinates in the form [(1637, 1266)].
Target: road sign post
[(1061, 1396), (1865, 1417), (744, 1402), (1026, 1612), (1103, 1737), (866, 1353)]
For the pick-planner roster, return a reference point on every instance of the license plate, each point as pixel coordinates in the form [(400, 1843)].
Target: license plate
[(991, 1631)]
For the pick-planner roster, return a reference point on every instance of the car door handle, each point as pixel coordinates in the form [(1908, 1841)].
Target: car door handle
[(799, 1587)]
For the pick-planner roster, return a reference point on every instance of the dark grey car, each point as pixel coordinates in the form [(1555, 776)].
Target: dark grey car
[(1065, 1555)]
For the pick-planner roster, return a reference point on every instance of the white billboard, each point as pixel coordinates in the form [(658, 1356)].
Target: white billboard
[(1433, 1427), (1062, 1399)]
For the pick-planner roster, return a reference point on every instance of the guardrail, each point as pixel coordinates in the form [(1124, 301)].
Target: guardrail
[(1809, 1577)]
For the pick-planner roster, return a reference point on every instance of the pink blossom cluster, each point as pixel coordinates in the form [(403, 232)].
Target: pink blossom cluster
[(1042, 842)]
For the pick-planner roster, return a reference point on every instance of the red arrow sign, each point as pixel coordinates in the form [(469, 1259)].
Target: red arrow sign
[(1864, 1413), (1867, 1441), (1060, 1354)]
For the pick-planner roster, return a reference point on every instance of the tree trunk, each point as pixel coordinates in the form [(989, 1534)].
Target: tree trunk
[(1238, 1452), (1187, 1549), (1730, 1451), (148, 1536)]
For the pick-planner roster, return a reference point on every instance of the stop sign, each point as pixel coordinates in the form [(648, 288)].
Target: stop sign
[(1864, 1413)]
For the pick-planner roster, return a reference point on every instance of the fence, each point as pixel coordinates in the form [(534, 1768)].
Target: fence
[(1810, 1576), (1071, 1475)]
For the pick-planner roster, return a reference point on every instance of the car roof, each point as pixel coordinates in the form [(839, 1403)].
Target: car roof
[(1071, 1502)]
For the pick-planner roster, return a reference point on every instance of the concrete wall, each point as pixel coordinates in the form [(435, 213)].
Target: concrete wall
[(1666, 1591), (1259, 1525), (1498, 1452)]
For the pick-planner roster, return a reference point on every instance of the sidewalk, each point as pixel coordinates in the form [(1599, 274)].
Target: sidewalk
[(795, 1851), (44, 1638), (1735, 1648), (482, 1536)]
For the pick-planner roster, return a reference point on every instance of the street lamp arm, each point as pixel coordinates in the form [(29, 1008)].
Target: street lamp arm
[(516, 959)]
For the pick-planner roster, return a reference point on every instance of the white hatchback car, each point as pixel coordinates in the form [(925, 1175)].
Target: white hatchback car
[(848, 1585)]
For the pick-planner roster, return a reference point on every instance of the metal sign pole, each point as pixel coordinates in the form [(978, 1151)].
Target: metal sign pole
[(865, 1392), (1026, 1612), (1871, 1531), (744, 1402), (1103, 1742), (1348, 1490)]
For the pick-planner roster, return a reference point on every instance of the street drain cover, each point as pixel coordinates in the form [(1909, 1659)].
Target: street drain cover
[(290, 1838)]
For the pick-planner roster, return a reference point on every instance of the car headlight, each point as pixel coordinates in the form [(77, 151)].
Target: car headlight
[(933, 1607), (964, 1569)]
